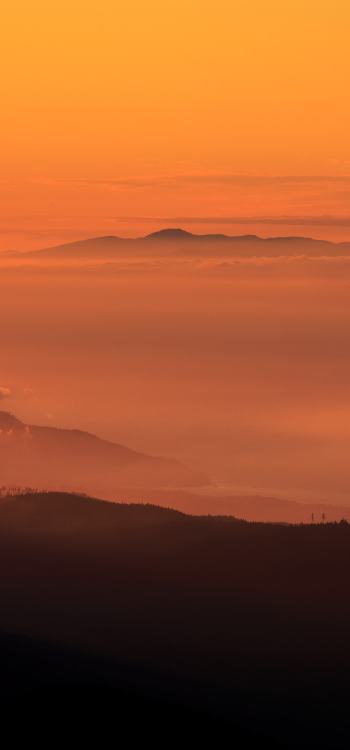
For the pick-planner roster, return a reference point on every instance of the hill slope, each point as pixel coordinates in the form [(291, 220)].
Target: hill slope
[(72, 459)]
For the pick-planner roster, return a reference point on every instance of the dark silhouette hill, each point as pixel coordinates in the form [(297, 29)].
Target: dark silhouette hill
[(227, 625), (69, 514), (59, 458), (175, 242)]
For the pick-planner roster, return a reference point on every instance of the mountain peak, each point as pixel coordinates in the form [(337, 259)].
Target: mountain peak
[(174, 233)]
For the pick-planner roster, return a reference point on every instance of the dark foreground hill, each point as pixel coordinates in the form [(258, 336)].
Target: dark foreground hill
[(168, 626), (56, 458)]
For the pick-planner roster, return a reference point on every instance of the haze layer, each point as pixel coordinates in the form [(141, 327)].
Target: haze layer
[(238, 366)]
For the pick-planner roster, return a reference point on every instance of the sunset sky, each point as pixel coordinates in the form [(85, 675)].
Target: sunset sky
[(121, 117)]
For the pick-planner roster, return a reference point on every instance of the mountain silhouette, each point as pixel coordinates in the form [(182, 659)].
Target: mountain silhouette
[(72, 459), (55, 512), (175, 241), (170, 234)]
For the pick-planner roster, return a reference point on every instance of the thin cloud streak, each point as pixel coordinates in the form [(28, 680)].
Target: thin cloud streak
[(205, 179), (317, 221)]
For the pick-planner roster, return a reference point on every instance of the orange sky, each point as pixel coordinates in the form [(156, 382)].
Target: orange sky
[(118, 117)]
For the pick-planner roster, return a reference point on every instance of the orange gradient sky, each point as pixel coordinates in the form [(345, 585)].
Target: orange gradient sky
[(120, 117)]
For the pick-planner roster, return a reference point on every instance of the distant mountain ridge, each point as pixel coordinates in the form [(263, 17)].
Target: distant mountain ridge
[(50, 457), (177, 233), (174, 241), (253, 508)]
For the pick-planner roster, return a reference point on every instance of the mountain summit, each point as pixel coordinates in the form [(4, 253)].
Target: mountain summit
[(171, 234)]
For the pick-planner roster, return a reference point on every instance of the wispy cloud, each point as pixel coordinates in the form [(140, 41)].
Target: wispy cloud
[(206, 179), (284, 220)]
